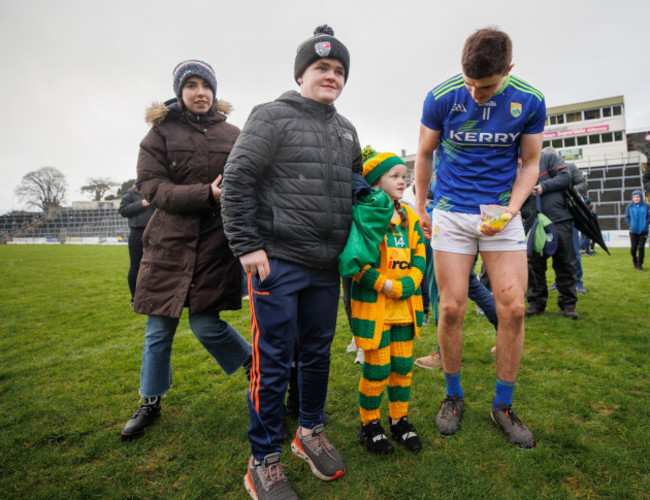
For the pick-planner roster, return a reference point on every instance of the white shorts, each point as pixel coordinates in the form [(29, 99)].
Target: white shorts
[(457, 232)]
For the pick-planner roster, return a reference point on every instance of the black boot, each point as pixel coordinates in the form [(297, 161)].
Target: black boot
[(248, 364), (146, 415), (636, 263)]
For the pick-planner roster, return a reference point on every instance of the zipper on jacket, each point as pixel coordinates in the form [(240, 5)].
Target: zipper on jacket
[(328, 173)]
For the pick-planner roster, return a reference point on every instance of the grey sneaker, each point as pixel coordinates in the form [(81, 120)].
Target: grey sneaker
[(326, 463), (448, 418), (514, 429), (267, 480)]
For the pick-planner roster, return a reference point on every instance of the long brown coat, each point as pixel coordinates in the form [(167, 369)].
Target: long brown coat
[(186, 261)]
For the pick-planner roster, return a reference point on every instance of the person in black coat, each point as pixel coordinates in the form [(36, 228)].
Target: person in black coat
[(554, 178), (138, 211)]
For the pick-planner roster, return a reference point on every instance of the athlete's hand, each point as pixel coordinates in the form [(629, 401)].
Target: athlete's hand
[(388, 287), (256, 263), (425, 221), (488, 230)]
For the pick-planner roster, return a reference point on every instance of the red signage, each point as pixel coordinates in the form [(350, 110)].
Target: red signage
[(577, 131)]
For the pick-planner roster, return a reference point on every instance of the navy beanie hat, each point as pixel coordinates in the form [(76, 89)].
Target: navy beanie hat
[(190, 68), (322, 45)]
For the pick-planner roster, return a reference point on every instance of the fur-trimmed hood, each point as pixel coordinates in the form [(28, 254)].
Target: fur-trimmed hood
[(158, 111)]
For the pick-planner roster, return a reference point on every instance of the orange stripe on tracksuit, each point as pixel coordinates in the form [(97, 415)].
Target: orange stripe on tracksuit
[(254, 384), (294, 305)]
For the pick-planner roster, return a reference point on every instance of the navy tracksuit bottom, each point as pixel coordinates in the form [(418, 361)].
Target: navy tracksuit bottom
[(293, 306)]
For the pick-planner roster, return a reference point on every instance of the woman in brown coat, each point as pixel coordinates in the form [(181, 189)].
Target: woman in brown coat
[(187, 261)]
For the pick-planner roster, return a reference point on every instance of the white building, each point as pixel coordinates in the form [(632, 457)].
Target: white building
[(590, 133)]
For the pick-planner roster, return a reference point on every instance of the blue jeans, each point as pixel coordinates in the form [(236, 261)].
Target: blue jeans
[(220, 339), (576, 246), (479, 294)]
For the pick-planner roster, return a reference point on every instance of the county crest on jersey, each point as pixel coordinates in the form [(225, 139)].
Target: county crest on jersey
[(479, 143)]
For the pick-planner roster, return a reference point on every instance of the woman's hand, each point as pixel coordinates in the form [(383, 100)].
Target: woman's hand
[(216, 190)]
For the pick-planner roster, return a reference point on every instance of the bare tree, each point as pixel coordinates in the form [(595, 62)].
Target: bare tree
[(98, 186), (44, 188)]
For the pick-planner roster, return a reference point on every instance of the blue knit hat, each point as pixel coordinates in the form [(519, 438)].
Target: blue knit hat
[(190, 68)]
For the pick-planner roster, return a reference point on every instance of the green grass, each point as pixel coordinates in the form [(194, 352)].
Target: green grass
[(70, 350)]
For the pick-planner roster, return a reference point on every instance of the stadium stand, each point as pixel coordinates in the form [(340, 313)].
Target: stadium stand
[(67, 224), (610, 189), (13, 223)]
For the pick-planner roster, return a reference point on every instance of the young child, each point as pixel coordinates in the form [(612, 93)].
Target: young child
[(387, 312)]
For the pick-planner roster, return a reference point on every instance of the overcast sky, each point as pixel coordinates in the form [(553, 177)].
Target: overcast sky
[(77, 75)]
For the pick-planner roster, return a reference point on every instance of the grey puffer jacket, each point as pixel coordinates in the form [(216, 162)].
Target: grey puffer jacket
[(286, 186)]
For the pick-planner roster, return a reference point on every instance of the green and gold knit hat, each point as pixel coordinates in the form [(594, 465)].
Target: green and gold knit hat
[(377, 164)]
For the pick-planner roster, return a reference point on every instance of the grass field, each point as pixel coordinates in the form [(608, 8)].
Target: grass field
[(70, 350)]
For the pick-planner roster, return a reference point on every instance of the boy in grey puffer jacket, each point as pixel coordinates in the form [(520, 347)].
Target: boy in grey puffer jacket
[(287, 212)]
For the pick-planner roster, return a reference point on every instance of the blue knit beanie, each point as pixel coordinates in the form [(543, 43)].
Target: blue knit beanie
[(190, 68)]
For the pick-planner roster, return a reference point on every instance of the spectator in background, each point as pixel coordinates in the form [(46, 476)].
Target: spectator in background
[(554, 178), (186, 261), (637, 216), (138, 211), (580, 185)]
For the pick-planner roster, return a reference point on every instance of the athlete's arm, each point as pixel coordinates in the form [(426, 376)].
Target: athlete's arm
[(531, 150), (427, 144)]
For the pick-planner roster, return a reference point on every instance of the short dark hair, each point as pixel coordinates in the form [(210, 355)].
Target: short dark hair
[(487, 52)]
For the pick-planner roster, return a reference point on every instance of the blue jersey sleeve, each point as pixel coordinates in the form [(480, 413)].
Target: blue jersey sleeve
[(536, 118), (431, 113)]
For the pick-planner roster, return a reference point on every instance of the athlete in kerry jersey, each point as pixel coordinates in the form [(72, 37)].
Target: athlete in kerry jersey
[(479, 143), (480, 122)]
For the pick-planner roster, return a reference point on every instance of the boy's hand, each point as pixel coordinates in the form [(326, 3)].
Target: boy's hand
[(256, 263)]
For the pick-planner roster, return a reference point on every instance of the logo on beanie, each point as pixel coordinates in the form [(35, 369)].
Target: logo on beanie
[(322, 48)]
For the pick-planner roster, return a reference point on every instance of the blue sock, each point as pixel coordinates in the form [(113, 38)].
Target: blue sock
[(453, 384), (503, 394)]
